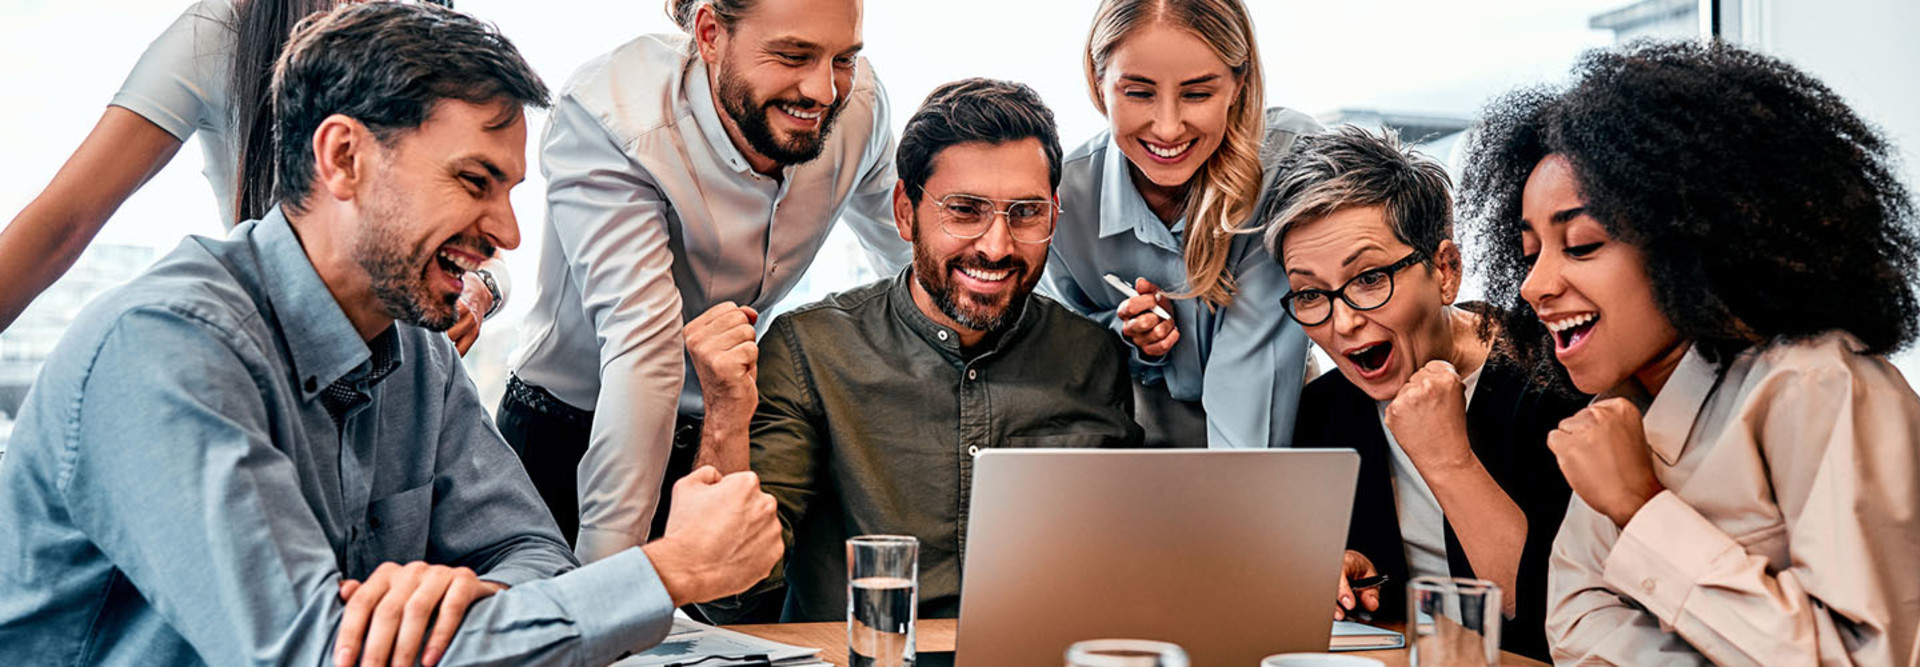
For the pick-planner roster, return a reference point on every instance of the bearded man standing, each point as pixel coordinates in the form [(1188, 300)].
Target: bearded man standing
[(862, 413), (684, 171)]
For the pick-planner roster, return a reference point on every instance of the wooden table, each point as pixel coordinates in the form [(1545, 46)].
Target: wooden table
[(936, 634)]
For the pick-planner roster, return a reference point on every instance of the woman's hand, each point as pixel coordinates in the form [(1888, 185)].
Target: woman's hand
[(1354, 566), (1148, 332), (1603, 452), (1429, 419)]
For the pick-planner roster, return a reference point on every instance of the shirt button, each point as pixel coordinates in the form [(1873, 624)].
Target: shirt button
[(942, 335), (1648, 584), (973, 450), (972, 374), (312, 384)]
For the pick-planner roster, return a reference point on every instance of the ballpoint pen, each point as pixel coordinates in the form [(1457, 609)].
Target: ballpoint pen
[(1126, 289)]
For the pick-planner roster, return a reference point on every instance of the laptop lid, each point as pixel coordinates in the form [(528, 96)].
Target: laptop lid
[(1232, 554)]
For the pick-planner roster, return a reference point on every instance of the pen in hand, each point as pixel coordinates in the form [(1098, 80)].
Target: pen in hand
[(1128, 290)]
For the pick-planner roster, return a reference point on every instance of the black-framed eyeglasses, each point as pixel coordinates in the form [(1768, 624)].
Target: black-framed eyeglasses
[(964, 216), (1367, 291)]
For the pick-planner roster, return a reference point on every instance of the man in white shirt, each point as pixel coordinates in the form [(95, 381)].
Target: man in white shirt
[(684, 171)]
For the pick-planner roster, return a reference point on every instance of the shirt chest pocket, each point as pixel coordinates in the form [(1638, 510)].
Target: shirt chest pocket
[(397, 524)]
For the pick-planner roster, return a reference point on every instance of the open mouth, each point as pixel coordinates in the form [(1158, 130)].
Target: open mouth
[(455, 265), (1569, 332), (1372, 358), (1167, 153)]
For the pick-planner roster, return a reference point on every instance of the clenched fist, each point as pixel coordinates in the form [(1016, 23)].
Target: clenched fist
[(1603, 452), (726, 360), (722, 537), (1428, 417)]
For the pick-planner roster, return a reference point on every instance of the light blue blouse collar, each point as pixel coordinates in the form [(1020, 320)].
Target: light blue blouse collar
[(1122, 208)]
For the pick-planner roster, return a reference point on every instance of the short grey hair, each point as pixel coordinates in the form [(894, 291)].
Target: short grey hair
[(1350, 167)]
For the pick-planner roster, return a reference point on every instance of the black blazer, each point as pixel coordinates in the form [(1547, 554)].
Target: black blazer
[(1507, 424)]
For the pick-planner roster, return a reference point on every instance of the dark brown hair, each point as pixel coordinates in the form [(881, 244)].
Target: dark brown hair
[(386, 65), (261, 29)]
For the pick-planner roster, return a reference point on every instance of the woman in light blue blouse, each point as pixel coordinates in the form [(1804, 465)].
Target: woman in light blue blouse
[(1156, 200)]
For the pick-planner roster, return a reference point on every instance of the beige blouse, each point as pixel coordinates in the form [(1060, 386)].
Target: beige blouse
[(1789, 533)]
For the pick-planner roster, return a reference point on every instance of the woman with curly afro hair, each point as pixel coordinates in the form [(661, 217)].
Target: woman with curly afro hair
[(1715, 244)]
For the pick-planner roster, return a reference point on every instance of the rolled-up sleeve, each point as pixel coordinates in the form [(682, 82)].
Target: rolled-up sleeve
[(611, 223)]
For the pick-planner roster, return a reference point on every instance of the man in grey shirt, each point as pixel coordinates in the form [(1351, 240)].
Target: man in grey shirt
[(214, 450), (683, 171), (862, 413)]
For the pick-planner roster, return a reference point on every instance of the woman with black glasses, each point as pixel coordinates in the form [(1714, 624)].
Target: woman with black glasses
[(1456, 479)]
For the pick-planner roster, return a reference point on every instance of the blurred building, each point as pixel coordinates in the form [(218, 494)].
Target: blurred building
[(1660, 19)]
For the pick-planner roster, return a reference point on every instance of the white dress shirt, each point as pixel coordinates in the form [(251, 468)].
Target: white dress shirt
[(1788, 532), (654, 216)]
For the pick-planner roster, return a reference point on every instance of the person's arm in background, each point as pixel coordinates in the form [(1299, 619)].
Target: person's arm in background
[(611, 223), (869, 211), (42, 242)]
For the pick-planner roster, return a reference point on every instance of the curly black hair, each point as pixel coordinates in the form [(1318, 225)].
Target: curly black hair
[(1763, 205)]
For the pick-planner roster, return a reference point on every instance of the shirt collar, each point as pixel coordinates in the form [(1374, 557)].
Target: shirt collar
[(900, 302), (1123, 209), (706, 115), (322, 342), (1670, 417)]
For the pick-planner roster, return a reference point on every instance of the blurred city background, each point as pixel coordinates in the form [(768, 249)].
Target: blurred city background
[(1421, 67)]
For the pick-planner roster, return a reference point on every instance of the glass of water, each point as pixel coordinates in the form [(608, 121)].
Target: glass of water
[(883, 583), (1125, 653), (1453, 622)]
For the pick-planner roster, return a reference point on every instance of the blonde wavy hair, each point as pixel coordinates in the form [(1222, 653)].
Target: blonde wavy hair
[(1225, 190)]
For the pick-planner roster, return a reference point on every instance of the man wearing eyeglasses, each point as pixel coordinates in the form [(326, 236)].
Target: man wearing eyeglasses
[(862, 413)]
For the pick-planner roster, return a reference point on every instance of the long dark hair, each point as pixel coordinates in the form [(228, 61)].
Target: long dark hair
[(260, 30), (1765, 207)]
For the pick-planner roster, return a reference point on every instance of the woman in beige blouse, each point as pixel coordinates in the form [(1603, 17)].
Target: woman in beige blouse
[(1716, 245)]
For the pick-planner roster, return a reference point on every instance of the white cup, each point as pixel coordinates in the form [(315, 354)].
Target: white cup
[(1318, 660)]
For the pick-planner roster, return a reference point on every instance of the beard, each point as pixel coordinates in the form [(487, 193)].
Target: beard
[(988, 313), (750, 115), (399, 269)]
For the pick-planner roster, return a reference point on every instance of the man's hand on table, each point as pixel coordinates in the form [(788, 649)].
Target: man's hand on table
[(389, 615)]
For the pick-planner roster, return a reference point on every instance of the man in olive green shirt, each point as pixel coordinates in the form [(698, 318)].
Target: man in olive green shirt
[(862, 413)]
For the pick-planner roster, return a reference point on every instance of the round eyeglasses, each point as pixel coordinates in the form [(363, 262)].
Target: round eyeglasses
[(970, 216), (1367, 291)]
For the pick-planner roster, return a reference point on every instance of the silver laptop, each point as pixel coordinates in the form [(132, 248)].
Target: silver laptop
[(1232, 554)]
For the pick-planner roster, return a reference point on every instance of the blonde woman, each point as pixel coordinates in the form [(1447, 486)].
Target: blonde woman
[(1155, 200)]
